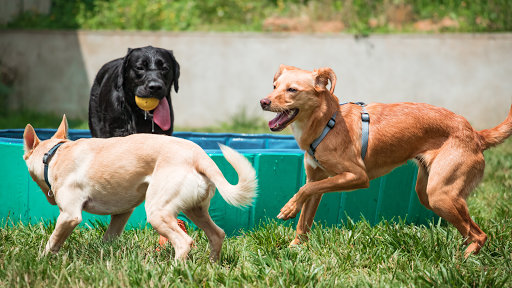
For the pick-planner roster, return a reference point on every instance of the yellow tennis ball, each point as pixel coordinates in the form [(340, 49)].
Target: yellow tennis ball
[(146, 103)]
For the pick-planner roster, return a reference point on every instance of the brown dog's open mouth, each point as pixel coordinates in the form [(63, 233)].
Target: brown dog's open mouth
[(282, 119)]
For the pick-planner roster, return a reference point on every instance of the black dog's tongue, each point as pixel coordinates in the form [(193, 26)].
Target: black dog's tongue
[(162, 115)]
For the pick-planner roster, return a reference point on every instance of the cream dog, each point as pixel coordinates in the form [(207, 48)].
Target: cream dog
[(448, 150), (113, 176)]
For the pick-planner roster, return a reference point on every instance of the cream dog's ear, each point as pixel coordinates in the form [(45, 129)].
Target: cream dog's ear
[(321, 79), (282, 68), (30, 140), (62, 132)]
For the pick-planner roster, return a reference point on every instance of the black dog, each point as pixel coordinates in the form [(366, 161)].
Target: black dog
[(146, 72)]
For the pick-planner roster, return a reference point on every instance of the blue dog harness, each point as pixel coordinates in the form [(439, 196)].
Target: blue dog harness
[(46, 160), (365, 131)]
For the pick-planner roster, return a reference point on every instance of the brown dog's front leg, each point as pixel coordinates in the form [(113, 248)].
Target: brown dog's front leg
[(306, 219), (310, 206), (342, 182)]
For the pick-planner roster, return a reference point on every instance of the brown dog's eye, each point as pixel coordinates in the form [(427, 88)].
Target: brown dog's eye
[(274, 87), (292, 90)]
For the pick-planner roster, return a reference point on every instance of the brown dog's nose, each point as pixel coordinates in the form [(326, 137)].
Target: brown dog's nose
[(265, 102)]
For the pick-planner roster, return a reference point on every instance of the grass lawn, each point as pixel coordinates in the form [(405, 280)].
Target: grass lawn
[(388, 254)]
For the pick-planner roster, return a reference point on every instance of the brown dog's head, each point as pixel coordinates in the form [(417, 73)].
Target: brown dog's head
[(35, 150), (297, 93)]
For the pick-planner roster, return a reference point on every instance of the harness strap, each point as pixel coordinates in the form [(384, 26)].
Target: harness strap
[(327, 128), (365, 131), (46, 160), (365, 127)]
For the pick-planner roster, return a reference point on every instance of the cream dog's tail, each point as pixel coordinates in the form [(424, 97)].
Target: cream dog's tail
[(241, 194)]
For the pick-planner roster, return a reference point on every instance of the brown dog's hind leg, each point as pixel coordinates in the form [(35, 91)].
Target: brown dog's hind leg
[(200, 216), (451, 180), (421, 185), (456, 212), (117, 224)]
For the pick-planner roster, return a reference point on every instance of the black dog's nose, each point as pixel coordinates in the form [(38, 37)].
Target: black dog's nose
[(265, 102), (155, 86)]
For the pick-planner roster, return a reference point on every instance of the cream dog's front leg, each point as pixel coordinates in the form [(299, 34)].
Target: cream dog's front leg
[(66, 222), (70, 206), (117, 224), (342, 182)]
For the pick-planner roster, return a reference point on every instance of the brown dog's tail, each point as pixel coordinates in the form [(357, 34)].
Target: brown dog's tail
[(241, 194), (495, 136)]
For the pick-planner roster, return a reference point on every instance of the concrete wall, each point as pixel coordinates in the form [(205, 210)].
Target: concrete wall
[(223, 72)]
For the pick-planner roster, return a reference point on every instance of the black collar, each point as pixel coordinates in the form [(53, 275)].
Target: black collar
[(46, 160)]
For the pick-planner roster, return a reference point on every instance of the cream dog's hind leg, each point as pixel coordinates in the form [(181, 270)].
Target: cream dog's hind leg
[(117, 224), (165, 197), (166, 224), (200, 217)]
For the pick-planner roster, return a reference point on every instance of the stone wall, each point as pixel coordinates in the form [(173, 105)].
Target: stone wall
[(470, 74)]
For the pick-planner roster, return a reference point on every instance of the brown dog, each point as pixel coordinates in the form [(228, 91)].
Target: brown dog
[(113, 176), (447, 149)]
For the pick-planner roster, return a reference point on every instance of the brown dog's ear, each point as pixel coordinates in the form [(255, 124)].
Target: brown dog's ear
[(62, 132), (281, 69), (30, 140), (322, 75)]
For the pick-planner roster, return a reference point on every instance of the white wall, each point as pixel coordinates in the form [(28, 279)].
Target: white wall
[(223, 72)]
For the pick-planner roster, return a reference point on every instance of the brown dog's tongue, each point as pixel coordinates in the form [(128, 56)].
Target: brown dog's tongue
[(279, 119), (162, 115)]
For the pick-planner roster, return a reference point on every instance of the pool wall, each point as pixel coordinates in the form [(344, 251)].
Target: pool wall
[(279, 166)]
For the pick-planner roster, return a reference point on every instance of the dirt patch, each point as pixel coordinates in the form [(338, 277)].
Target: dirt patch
[(301, 24), (431, 25)]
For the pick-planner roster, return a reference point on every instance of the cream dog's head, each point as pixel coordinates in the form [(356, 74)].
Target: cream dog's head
[(297, 94), (35, 150)]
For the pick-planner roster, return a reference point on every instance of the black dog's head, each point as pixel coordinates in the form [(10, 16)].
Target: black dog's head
[(148, 72)]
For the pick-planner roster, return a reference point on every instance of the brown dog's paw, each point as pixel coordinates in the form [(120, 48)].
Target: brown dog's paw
[(473, 248), (290, 210), (295, 243)]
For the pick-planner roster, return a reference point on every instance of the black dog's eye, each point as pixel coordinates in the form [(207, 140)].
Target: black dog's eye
[(292, 90), (165, 68), (140, 68)]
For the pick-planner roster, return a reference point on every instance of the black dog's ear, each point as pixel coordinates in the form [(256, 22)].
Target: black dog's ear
[(120, 77), (176, 71)]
